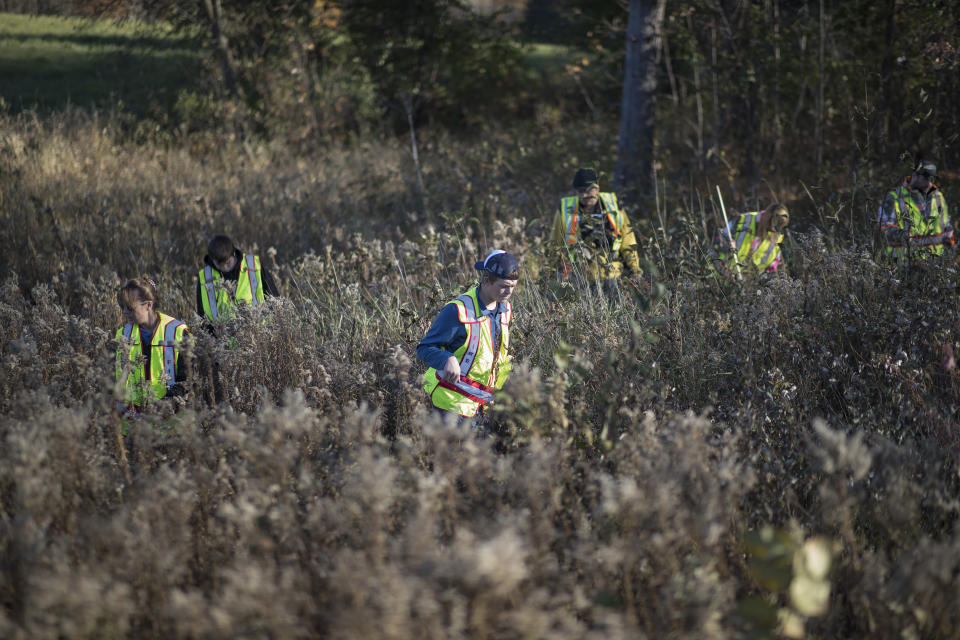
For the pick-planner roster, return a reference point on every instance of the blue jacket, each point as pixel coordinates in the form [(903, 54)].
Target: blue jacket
[(446, 334)]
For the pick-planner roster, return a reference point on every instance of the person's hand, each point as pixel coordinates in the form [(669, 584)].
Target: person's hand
[(451, 371)]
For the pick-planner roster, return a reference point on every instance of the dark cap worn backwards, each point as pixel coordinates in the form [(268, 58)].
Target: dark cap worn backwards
[(584, 179), (926, 167), (499, 263)]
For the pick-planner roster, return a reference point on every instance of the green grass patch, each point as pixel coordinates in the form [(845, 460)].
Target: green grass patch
[(547, 58), (50, 62)]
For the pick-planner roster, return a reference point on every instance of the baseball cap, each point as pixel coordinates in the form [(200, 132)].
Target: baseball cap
[(585, 178), (499, 263), (926, 167)]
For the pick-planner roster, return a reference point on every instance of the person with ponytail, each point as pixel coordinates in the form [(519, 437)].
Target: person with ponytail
[(149, 365), (751, 242)]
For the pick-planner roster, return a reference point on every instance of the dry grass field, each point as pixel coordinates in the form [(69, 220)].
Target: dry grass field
[(695, 462)]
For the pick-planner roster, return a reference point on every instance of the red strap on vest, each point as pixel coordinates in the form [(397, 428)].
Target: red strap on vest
[(446, 385)]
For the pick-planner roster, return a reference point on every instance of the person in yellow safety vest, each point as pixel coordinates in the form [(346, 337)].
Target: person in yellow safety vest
[(591, 232), (466, 346), (914, 218), (750, 242), (230, 277), (148, 356)]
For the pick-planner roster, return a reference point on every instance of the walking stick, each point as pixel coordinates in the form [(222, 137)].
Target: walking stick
[(726, 226)]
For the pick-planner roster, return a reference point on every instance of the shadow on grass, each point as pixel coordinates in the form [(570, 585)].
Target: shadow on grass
[(133, 41), (49, 71)]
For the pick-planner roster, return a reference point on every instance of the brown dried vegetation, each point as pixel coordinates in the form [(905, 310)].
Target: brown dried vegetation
[(303, 490)]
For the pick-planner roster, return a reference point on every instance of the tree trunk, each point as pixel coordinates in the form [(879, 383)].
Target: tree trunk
[(777, 116), (715, 94), (889, 87), (818, 125), (634, 175), (214, 10), (701, 154)]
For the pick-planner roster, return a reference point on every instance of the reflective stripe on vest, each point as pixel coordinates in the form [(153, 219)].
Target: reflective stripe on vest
[(208, 284), (569, 206), (923, 241), (473, 337), (612, 210), (163, 366), (483, 365), (901, 205), (249, 288), (745, 228), (748, 226), (127, 332), (613, 214), (252, 275), (771, 252), (927, 228), (747, 242), (169, 352), (472, 389)]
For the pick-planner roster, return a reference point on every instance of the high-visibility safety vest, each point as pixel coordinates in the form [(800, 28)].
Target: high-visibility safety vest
[(164, 359), (927, 222), (483, 367), (762, 253), (217, 303), (614, 215)]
